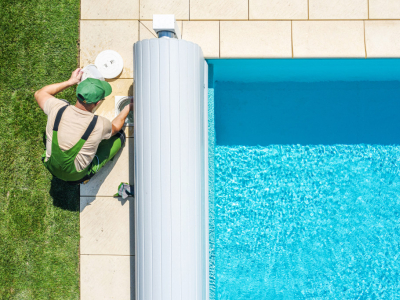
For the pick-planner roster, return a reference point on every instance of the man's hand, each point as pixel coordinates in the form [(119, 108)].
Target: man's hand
[(75, 77), (119, 120)]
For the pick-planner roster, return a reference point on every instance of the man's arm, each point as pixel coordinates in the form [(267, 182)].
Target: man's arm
[(119, 120), (48, 91)]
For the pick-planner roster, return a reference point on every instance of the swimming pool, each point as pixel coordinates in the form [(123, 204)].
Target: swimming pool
[(304, 179)]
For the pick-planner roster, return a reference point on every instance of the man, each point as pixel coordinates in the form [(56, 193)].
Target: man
[(79, 143)]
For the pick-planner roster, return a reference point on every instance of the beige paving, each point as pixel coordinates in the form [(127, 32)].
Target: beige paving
[(278, 9), (180, 8), (205, 34), (382, 38), (145, 33), (255, 39), (328, 39), (105, 277), (219, 10), (384, 9), (110, 9), (105, 183), (338, 9), (96, 36), (107, 226)]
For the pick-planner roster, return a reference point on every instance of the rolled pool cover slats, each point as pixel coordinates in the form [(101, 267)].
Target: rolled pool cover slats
[(170, 170)]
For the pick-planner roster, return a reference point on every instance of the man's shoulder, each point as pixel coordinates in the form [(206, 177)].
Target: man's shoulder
[(107, 127), (54, 104), (103, 119)]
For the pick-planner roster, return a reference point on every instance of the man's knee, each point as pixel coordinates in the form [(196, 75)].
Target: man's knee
[(121, 135)]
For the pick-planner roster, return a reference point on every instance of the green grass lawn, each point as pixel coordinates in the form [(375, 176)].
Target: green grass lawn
[(39, 215)]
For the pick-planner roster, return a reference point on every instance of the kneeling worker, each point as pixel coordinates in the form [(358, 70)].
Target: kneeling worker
[(79, 143)]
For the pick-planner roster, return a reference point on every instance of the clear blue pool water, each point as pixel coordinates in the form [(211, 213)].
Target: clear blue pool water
[(305, 179)]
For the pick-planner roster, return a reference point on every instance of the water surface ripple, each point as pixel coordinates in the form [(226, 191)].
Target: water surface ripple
[(307, 222)]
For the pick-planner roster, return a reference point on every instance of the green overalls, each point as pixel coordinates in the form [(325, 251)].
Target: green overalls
[(61, 163)]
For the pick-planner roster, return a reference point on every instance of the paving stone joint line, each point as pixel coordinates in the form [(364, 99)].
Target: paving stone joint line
[(365, 42), (151, 31)]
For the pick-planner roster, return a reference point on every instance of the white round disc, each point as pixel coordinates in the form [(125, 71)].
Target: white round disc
[(109, 63)]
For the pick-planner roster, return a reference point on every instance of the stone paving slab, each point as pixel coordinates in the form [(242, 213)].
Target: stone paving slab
[(110, 9), (278, 9), (382, 38), (107, 226), (338, 9), (328, 39), (384, 9), (180, 8), (106, 277), (145, 33), (205, 34), (219, 10), (97, 36), (249, 39)]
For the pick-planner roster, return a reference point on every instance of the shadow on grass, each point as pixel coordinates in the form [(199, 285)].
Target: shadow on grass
[(64, 195)]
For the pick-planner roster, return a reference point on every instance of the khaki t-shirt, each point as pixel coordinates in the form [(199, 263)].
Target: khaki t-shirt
[(73, 125)]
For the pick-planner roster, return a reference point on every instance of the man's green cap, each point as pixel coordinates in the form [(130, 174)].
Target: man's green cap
[(93, 90)]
